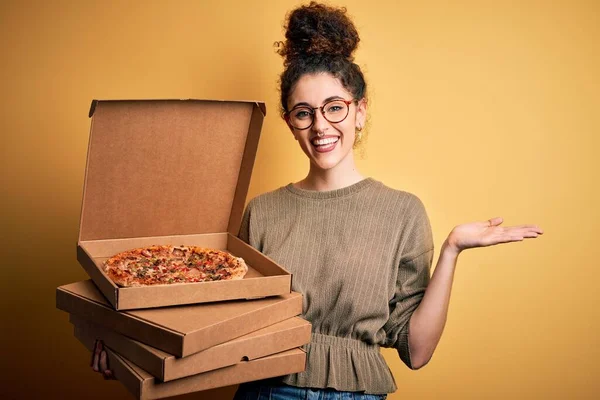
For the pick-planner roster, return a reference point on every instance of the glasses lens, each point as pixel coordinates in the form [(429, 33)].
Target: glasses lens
[(335, 111), (301, 117)]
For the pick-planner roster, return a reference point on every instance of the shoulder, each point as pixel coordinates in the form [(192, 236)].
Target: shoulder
[(267, 196), (406, 202), (266, 200), (257, 214), (416, 232)]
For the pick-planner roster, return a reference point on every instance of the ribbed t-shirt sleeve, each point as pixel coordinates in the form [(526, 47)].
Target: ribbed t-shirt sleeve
[(412, 279)]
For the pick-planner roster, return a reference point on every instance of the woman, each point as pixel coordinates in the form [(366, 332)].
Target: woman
[(359, 251)]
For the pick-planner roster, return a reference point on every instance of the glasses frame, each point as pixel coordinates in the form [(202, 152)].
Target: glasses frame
[(286, 115)]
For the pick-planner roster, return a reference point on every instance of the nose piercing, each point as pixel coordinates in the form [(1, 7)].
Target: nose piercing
[(320, 134)]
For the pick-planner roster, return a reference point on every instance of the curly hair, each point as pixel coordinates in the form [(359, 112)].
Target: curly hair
[(320, 38)]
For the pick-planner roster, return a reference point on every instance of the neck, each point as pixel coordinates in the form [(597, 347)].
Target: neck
[(342, 175)]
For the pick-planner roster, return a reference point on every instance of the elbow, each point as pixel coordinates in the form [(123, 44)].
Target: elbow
[(419, 362), (420, 353), (420, 357)]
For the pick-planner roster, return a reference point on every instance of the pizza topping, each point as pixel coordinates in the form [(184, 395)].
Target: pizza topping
[(168, 264)]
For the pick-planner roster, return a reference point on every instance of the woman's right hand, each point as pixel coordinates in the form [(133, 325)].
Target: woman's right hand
[(99, 361)]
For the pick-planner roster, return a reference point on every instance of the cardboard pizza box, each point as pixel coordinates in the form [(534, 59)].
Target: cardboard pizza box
[(172, 172), (144, 386), (282, 336), (180, 330)]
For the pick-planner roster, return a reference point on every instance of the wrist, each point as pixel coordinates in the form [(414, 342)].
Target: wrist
[(450, 248)]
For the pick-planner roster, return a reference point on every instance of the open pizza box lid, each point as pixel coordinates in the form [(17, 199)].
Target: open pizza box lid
[(172, 172)]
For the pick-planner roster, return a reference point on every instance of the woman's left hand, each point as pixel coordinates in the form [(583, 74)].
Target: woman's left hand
[(488, 233)]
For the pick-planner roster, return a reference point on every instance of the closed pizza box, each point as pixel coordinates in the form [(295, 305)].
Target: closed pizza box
[(179, 330), (172, 172), (144, 386), (282, 336)]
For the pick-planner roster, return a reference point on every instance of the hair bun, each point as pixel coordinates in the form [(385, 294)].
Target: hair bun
[(318, 29)]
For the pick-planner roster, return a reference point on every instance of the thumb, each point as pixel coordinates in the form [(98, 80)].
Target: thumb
[(495, 221)]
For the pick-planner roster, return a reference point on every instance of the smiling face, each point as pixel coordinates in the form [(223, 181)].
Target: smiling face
[(328, 145)]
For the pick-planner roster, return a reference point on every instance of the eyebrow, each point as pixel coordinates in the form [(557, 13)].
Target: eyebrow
[(324, 101)]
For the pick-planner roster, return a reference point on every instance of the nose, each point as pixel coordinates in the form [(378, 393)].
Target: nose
[(320, 124)]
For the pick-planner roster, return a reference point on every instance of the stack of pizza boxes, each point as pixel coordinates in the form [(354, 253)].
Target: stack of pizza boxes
[(176, 172)]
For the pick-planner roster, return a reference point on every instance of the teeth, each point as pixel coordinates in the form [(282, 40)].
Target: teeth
[(320, 142)]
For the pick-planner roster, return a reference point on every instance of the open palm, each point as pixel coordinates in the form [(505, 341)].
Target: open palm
[(489, 233)]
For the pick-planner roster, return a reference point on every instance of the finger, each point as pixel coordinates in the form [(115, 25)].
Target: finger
[(96, 359), (519, 235), (103, 361), (528, 227), (104, 367), (512, 237), (506, 235), (528, 232), (521, 230), (495, 221), (506, 239), (98, 346), (536, 229), (108, 374)]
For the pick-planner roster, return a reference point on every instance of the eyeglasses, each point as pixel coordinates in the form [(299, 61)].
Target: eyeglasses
[(303, 117)]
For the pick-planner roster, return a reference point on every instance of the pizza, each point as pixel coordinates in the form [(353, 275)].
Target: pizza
[(164, 265)]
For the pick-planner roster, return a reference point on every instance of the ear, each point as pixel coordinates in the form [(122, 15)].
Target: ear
[(361, 113)]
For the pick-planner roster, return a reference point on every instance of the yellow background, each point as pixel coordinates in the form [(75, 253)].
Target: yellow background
[(482, 109)]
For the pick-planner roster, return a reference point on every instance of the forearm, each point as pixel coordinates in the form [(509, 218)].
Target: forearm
[(428, 320)]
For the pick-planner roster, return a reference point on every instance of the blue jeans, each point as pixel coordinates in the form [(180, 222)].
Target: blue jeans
[(258, 391)]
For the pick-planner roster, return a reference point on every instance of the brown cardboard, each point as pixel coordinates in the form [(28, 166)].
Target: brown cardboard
[(181, 330), (264, 277), (168, 167), (172, 172), (144, 386), (285, 335)]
